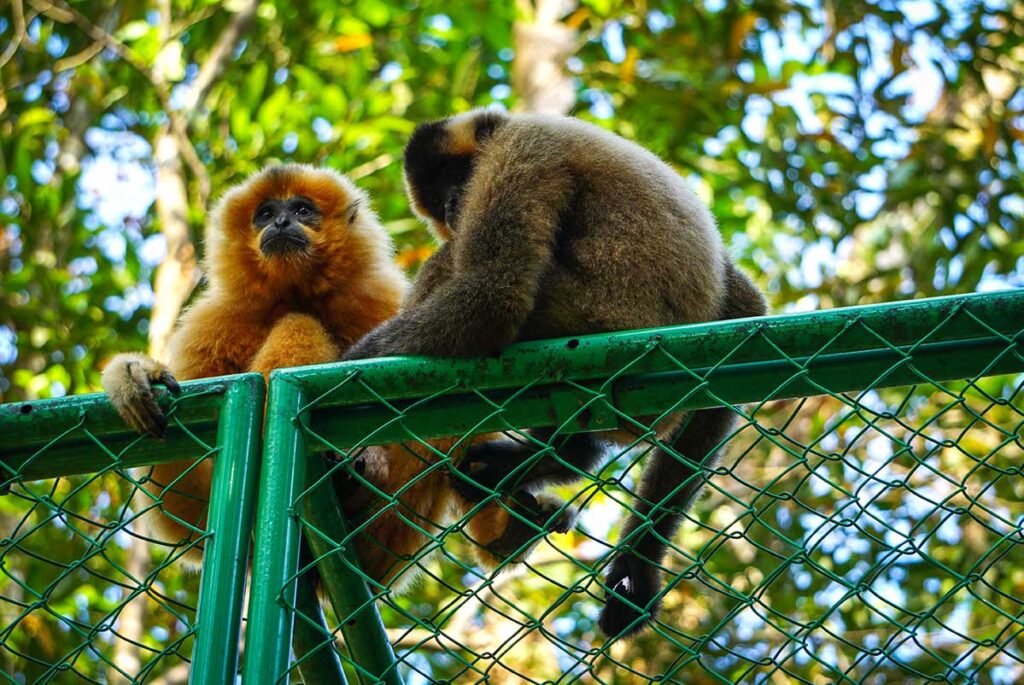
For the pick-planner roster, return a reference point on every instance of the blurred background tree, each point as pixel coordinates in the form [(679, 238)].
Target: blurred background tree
[(853, 152)]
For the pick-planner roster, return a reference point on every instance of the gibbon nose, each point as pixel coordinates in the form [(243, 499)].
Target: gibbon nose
[(283, 221)]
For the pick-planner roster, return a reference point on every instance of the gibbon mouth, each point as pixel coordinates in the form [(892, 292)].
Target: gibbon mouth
[(276, 243)]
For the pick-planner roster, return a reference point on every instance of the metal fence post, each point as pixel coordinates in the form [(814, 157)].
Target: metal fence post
[(268, 633), (314, 642), (219, 613)]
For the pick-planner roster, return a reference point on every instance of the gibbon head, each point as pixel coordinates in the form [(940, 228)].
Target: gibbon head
[(290, 225), (439, 160)]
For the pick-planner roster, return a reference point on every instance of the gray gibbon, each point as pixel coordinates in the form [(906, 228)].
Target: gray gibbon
[(298, 267), (554, 227)]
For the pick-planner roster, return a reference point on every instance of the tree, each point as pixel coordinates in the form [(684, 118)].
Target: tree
[(852, 153), (543, 44)]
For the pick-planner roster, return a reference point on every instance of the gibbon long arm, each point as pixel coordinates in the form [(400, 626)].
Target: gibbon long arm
[(504, 242), (555, 228)]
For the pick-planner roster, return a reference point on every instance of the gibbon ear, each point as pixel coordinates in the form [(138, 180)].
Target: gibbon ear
[(352, 211)]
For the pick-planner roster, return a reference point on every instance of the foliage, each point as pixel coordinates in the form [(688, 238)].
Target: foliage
[(859, 155), (69, 605), (852, 152)]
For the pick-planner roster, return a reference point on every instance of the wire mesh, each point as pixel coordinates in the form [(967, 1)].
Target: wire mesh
[(864, 524), (91, 589)]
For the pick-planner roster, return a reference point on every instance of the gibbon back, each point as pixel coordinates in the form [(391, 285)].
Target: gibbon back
[(555, 227)]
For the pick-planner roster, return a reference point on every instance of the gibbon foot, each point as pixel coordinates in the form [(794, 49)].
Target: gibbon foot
[(632, 579), (485, 465), (346, 482), (544, 513), (128, 381)]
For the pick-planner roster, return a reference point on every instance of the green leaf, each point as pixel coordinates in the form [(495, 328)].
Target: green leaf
[(255, 83), (333, 102), (34, 117), (134, 30), (271, 113), (241, 125)]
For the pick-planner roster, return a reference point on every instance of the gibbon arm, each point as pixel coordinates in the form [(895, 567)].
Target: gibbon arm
[(295, 340), (501, 248), (434, 273)]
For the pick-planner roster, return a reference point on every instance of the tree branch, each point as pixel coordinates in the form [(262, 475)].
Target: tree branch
[(65, 14), (182, 25), (220, 56), (18, 14), (542, 45), (178, 274)]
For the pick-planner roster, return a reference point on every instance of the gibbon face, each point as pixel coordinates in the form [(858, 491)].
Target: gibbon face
[(438, 163), (285, 224)]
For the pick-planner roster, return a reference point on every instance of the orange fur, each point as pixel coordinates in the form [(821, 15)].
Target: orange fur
[(461, 139), (259, 314), (418, 504)]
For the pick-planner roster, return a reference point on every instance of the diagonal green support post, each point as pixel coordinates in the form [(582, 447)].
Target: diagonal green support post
[(317, 657), (275, 590), (353, 603)]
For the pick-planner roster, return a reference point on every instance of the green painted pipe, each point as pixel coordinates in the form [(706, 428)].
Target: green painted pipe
[(595, 406), (268, 633), (353, 603), (61, 437), (704, 345), (226, 551), (314, 643), (637, 373)]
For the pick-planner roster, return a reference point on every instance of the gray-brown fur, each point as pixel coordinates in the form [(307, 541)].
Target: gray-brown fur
[(555, 228)]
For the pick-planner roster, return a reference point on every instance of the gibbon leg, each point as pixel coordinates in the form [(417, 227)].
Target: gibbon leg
[(635, 571), (295, 340), (501, 537), (510, 466), (396, 531)]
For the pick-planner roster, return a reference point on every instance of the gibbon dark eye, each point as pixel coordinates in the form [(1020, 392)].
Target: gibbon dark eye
[(305, 210), (264, 214)]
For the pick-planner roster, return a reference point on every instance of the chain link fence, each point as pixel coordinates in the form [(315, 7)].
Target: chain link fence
[(864, 524), (90, 591)]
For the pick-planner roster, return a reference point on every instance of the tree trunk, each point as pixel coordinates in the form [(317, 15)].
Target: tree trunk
[(542, 45), (179, 272), (131, 621)]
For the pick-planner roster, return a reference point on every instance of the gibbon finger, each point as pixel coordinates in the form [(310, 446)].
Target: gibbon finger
[(168, 381), (133, 416), (143, 403)]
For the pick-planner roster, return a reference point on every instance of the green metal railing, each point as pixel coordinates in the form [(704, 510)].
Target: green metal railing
[(866, 523), (58, 456)]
